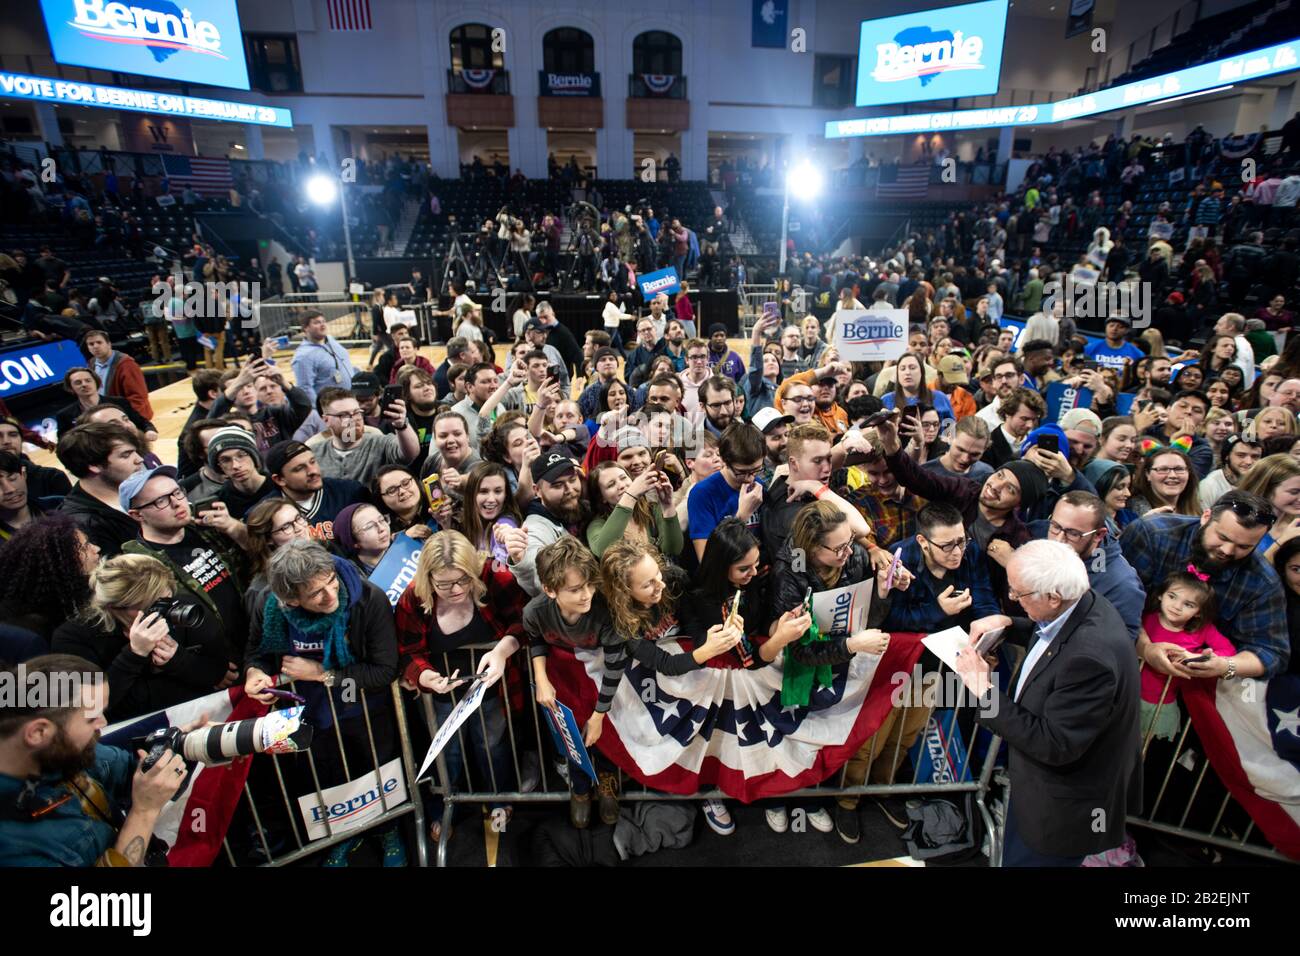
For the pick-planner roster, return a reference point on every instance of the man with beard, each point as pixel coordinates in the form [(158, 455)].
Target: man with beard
[(558, 508), (775, 428), (55, 775), (1079, 521), (297, 475), (1240, 454), (1221, 544), (719, 399), (1083, 428), (421, 395)]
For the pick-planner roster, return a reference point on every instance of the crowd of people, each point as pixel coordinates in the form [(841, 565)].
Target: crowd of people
[(589, 511), (668, 505)]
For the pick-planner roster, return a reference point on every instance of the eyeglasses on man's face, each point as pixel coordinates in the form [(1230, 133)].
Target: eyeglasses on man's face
[(176, 496), (1072, 535), (948, 547)]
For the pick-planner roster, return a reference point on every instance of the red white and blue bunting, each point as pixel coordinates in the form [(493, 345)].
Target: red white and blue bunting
[(658, 83), (478, 79)]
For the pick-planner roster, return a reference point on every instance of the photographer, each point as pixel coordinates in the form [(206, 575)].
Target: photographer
[(67, 799), (153, 661)]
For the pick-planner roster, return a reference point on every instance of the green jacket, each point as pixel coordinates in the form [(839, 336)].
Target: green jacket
[(226, 549)]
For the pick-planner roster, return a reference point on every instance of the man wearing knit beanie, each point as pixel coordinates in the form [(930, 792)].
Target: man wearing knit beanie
[(232, 452)]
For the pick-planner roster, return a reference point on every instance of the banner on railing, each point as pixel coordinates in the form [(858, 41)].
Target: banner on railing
[(353, 805), (478, 79), (568, 84), (658, 83)]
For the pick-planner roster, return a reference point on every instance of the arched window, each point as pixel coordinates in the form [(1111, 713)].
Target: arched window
[(657, 51), (568, 50), (471, 48)]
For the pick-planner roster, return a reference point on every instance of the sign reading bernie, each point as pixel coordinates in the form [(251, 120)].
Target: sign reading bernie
[(869, 336)]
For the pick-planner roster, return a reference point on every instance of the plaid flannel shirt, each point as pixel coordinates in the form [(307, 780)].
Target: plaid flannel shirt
[(502, 610), (1252, 608)]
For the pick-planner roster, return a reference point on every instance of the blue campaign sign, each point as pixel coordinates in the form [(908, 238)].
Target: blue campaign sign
[(26, 370), (652, 283), (1124, 402), (1061, 398), (397, 569), (950, 53), (1266, 61), (197, 42), (568, 738)]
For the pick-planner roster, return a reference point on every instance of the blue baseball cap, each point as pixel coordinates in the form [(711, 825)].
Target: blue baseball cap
[(133, 485)]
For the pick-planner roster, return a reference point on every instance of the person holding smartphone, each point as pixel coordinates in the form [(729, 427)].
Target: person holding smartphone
[(457, 601)]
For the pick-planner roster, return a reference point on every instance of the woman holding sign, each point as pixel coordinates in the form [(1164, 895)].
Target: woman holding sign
[(821, 555), (455, 605)]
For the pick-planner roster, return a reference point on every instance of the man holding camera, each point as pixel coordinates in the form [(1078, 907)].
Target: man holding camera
[(206, 559), (66, 799), (356, 452)]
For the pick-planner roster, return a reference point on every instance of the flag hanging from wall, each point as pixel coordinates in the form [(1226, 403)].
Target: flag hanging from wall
[(769, 23), (205, 175), (349, 14)]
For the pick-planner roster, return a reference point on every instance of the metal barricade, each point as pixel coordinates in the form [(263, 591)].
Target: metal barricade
[(522, 731), (304, 846), (349, 322), (1230, 828), (752, 300)]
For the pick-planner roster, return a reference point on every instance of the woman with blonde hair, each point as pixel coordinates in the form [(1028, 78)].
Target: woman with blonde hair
[(1276, 479), (151, 662), (457, 602), (1155, 341), (1271, 422)]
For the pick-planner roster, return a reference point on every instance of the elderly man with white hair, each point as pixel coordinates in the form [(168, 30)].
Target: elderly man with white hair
[(1070, 715)]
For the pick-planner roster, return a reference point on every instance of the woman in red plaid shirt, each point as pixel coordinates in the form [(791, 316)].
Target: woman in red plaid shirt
[(456, 603)]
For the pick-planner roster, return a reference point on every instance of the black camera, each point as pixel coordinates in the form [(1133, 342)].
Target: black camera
[(176, 613)]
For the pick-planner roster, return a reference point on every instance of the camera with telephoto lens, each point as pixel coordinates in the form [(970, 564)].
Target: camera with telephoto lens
[(176, 613), (279, 732)]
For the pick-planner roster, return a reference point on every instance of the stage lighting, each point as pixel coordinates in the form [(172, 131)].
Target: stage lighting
[(322, 189)]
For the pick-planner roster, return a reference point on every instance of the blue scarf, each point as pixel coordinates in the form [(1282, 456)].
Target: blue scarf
[(282, 624)]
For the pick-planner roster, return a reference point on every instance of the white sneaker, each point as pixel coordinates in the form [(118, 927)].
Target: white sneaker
[(821, 821), (777, 819), (717, 817)]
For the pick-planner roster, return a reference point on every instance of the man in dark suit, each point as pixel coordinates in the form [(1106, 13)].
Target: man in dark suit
[(1070, 716)]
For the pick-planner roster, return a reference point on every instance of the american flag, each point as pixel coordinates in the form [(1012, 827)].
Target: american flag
[(208, 177), (1253, 742), (903, 182), (349, 14), (212, 793)]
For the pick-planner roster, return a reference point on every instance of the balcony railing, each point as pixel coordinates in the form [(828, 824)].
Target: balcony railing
[(479, 81), (653, 86)]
